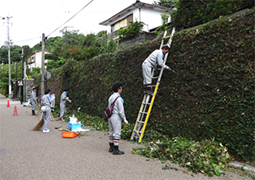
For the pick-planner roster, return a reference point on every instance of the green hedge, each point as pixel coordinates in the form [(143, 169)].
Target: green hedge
[(196, 12), (213, 97)]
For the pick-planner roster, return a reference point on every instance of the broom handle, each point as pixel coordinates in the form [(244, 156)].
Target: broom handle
[(52, 116)]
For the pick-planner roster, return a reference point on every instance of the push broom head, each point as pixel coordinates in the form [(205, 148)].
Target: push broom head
[(38, 126)]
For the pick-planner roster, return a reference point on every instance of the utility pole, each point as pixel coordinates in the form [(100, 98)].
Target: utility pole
[(66, 34), (22, 77), (9, 61), (25, 82), (9, 53), (16, 82), (42, 68)]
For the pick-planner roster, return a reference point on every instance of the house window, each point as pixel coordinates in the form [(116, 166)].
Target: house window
[(112, 28), (123, 23), (32, 59)]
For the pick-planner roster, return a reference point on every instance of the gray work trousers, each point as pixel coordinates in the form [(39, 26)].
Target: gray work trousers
[(62, 110), (114, 126), (147, 73), (33, 105), (46, 118)]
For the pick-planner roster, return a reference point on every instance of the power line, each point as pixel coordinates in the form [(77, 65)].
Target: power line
[(25, 40), (70, 18)]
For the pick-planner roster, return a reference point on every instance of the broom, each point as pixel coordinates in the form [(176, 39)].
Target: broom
[(39, 124)]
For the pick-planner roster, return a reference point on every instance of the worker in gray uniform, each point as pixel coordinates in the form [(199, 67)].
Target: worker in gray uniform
[(115, 120), (63, 100), (33, 100), (154, 59), (46, 109)]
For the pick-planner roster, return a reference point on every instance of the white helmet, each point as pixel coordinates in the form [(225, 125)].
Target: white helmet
[(43, 108)]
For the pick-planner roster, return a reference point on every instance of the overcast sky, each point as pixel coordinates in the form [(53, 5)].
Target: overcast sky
[(31, 18)]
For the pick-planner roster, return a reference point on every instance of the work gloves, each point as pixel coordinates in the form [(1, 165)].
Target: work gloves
[(67, 98), (168, 68), (126, 122)]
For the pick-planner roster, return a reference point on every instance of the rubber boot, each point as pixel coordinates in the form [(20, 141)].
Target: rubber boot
[(33, 112), (116, 151), (111, 147), (148, 90)]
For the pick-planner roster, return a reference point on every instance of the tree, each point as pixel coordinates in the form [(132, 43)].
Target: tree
[(192, 13), (166, 3), (4, 76), (55, 64), (78, 47), (15, 52), (26, 51)]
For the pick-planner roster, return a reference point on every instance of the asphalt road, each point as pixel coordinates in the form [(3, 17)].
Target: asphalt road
[(33, 155)]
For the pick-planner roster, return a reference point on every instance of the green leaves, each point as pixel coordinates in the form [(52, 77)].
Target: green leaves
[(193, 13), (205, 156), (133, 29)]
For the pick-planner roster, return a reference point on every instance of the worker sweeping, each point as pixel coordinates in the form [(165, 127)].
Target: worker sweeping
[(33, 100), (63, 99), (46, 109), (154, 59), (116, 118)]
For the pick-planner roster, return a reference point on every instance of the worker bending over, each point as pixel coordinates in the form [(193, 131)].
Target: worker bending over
[(63, 100)]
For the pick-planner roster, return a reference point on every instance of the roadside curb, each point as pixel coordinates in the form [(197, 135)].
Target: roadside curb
[(243, 166)]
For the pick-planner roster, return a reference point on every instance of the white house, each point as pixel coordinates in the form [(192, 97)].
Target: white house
[(150, 15), (35, 59)]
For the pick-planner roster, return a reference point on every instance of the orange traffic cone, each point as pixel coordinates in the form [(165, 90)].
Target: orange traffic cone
[(15, 111), (8, 104)]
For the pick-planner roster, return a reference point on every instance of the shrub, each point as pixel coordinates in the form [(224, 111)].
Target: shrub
[(133, 29)]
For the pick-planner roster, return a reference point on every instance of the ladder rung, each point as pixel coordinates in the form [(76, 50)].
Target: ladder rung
[(147, 103), (137, 131), (144, 112), (150, 94), (141, 122), (155, 77)]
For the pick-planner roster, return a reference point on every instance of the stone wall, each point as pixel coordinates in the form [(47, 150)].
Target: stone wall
[(29, 85), (141, 38)]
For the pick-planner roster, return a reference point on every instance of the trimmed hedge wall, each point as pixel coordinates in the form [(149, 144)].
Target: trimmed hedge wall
[(191, 13), (212, 97)]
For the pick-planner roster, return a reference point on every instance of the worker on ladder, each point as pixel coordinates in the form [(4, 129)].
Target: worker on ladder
[(154, 59)]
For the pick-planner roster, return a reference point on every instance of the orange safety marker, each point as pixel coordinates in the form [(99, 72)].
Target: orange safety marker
[(8, 104), (15, 111)]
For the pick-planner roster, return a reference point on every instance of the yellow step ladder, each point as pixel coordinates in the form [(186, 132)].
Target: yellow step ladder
[(148, 99)]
